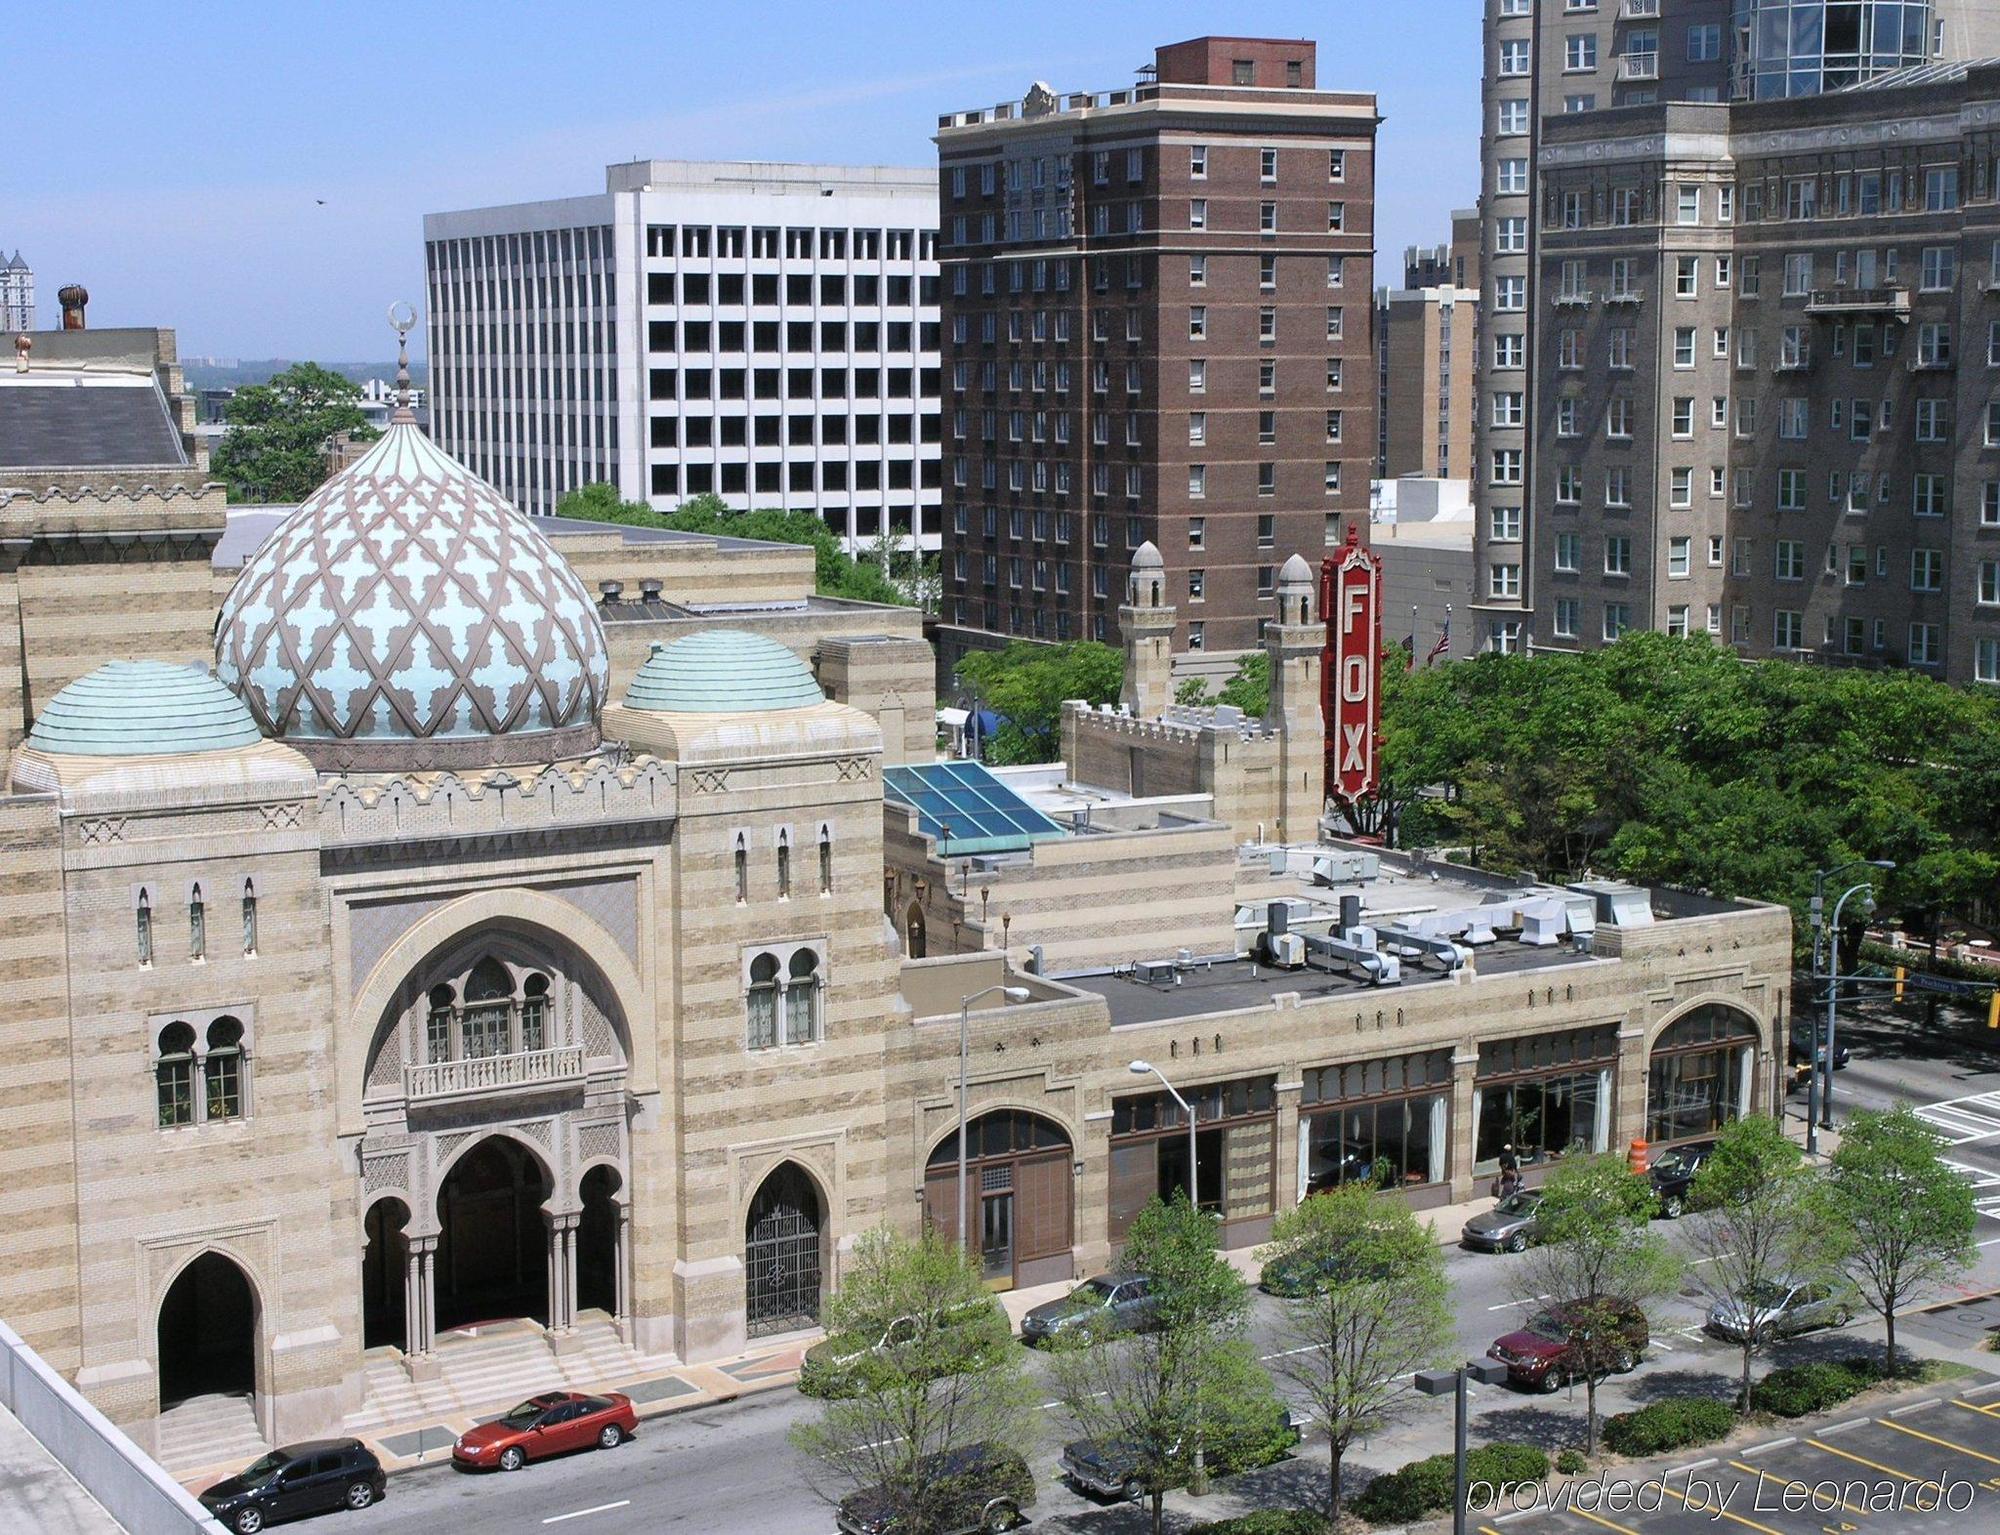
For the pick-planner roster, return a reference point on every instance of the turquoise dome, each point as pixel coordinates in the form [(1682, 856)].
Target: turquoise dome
[(723, 671), (143, 709)]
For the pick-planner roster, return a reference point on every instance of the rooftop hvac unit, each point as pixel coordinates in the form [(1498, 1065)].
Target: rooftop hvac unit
[(1154, 972), (1286, 950), (1542, 923)]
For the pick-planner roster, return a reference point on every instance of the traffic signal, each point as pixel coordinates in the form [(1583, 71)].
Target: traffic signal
[(1900, 973)]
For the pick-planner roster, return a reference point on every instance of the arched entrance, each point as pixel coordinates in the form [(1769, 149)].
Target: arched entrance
[(384, 1266), (597, 1242), (1701, 1073), (208, 1333), (492, 1258), (783, 1258), (1018, 1196)]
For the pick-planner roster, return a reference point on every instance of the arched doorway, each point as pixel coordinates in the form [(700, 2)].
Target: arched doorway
[(208, 1333), (597, 1242), (1701, 1073), (492, 1258), (782, 1258), (1018, 1196), (384, 1264)]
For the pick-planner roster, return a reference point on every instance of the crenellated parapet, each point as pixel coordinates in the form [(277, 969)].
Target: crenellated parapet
[(420, 807)]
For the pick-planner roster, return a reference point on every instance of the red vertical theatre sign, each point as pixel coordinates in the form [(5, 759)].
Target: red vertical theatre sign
[(1350, 591)]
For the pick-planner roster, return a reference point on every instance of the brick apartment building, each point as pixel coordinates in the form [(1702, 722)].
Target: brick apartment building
[(1156, 327)]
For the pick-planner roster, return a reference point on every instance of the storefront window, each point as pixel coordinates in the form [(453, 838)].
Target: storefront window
[(1547, 1096), (1381, 1122), (1699, 1076), (1235, 1149)]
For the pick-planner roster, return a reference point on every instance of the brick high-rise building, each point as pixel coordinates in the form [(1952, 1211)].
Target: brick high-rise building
[(1156, 311), (1424, 343), (1544, 59)]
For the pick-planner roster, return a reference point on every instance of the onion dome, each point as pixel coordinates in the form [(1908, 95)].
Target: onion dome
[(143, 709), (722, 671), (405, 617)]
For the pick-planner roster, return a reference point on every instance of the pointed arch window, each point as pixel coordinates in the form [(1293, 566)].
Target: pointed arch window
[(763, 1033), (742, 871), (249, 917), (483, 1022), (197, 924), (802, 999), (437, 1024), (784, 865), (143, 915), (825, 861), (535, 1013), (173, 1075), (222, 1070)]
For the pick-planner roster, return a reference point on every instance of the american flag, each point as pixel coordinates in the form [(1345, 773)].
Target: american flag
[(1443, 645)]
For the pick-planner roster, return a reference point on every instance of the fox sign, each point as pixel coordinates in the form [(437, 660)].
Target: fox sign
[(1351, 675)]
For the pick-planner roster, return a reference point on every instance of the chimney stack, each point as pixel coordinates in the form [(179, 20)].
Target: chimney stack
[(73, 298)]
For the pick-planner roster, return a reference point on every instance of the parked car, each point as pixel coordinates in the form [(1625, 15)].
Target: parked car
[(296, 1481), (549, 1424), (1809, 1040), (1110, 1468), (1543, 1356), (1673, 1172), (1109, 1303), (974, 1491), (1779, 1309), (1509, 1227), (831, 1365)]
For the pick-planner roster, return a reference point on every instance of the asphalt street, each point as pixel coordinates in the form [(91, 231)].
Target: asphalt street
[(730, 1470)]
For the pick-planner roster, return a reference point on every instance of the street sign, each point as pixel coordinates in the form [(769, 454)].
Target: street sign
[(1945, 986), (1351, 674)]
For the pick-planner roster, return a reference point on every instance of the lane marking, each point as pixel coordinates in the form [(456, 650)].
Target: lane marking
[(1712, 1511), (1872, 1465), (601, 1508), (1786, 1481), (1594, 1519), (1984, 1412), (1531, 1301), (1991, 1460)]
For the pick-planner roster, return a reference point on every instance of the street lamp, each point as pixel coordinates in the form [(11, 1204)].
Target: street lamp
[(1819, 1100), (1012, 994), (1488, 1372), (1198, 1483)]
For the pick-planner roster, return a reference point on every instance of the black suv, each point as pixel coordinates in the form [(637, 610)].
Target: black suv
[(978, 1490), (300, 1479)]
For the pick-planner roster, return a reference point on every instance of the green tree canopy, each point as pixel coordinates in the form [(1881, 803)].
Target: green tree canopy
[(1026, 685), (282, 432)]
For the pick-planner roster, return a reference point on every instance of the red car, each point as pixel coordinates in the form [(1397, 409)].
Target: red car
[(1546, 1354), (549, 1424)]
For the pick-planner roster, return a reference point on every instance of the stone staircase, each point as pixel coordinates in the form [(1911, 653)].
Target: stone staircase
[(597, 1359), (209, 1431)]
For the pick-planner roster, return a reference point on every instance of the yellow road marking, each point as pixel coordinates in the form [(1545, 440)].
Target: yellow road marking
[(1991, 1460), (1594, 1519), (1986, 1412), (1487, 1529), (1752, 1524), (1873, 1465), (1785, 1481)]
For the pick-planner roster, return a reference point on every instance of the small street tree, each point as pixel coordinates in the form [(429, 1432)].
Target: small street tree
[(1599, 1262), (937, 1370), (1756, 1226), (1188, 1385), (1380, 1310), (1907, 1217), (280, 433)]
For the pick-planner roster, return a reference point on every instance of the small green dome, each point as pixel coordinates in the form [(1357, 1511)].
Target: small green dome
[(723, 671), (143, 709)]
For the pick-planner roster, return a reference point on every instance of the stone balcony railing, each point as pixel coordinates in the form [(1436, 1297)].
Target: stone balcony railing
[(477, 1076)]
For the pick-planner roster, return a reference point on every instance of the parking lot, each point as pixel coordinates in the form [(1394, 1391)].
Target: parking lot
[(1926, 1465)]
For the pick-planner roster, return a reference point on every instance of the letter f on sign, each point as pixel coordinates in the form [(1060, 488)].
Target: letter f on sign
[(1353, 602)]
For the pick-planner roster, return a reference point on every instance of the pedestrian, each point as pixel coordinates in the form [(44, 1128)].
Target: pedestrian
[(1509, 1181)]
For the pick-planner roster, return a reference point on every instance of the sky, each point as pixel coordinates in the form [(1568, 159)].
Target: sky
[(255, 175)]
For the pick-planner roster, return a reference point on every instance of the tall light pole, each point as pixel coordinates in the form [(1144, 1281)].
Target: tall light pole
[(1012, 994), (1819, 1102), (1198, 1482), (1488, 1372)]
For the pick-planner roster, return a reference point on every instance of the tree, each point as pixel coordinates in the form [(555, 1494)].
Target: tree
[(1027, 684), (1908, 1218), (1383, 1311), (1598, 1257), (1757, 1223), (951, 1376), (281, 433), (1189, 1382)]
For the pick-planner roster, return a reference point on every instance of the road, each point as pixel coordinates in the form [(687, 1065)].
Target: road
[(729, 1470)]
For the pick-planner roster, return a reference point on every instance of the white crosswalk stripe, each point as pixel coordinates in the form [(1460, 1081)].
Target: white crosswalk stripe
[(1964, 1120)]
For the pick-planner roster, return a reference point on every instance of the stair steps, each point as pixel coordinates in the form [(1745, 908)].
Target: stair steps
[(209, 1431)]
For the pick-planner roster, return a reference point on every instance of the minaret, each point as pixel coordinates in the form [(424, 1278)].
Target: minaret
[(1147, 623), (1294, 644)]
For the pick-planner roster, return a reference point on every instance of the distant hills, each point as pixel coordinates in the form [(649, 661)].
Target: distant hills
[(236, 372)]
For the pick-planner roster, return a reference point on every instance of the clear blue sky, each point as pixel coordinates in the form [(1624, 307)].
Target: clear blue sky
[(170, 157)]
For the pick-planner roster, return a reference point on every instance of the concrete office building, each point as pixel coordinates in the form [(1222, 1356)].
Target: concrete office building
[(1547, 58), (1425, 341), (1763, 402), (766, 333), (1157, 316)]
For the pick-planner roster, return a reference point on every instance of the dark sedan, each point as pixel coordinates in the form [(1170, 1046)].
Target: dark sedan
[(1673, 1174), (296, 1482), (978, 1490), (1110, 1468)]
